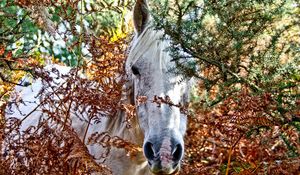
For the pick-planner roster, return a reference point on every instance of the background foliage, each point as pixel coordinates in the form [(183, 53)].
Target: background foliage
[(246, 108), (91, 36), (244, 116)]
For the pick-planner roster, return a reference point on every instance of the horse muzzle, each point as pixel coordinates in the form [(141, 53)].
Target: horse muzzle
[(157, 169), (163, 155)]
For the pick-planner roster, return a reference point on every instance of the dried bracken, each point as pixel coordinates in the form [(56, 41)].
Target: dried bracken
[(106, 141), (241, 136), (53, 147), (45, 150)]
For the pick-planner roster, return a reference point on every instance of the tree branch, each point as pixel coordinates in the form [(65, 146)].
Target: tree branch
[(2, 77)]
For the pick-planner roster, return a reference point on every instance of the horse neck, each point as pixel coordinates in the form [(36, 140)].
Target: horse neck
[(119, 125)]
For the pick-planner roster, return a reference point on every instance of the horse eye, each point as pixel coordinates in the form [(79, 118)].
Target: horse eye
[(135, 70)]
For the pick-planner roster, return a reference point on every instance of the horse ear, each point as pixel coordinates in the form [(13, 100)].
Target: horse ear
[(141, 15)]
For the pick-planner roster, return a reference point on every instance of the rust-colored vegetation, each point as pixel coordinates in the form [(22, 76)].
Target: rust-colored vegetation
[(241, 136)]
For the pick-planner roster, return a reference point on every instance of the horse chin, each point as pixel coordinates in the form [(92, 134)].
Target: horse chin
[(165, 171)]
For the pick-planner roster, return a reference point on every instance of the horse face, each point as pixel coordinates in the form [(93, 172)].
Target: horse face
[(163, 124)]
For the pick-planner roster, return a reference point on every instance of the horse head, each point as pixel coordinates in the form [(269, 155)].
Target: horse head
[(160, 118)]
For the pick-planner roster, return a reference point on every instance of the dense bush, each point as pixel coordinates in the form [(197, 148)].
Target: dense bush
[(246, 108)]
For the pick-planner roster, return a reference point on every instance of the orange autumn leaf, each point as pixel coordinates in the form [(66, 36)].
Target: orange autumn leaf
[(9, 56), (2, 50)]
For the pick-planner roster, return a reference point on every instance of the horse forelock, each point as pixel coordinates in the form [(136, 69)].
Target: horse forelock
[(150, 40)]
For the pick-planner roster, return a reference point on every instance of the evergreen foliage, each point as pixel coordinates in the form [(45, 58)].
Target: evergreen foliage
[(235, 44), (247, 56)]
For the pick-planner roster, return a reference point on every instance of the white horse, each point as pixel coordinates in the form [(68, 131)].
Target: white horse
[(158, 128)]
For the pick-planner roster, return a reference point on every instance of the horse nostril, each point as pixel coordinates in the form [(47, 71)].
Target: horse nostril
[(149, 151), (177, 153)]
